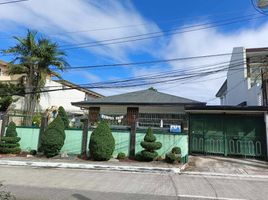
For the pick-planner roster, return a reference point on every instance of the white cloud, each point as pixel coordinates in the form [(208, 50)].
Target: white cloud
[(50, 17), (205, 42)]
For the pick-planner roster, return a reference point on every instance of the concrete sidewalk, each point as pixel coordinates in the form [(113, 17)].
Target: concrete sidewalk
[(223, 166), (141, 167)]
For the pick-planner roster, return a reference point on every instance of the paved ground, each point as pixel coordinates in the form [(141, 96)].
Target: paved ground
[(41, 183), (225, 165)]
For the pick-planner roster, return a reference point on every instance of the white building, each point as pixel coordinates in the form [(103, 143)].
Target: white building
[(49, 100), (243, 85)]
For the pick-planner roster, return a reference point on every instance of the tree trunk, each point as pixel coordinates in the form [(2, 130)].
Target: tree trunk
[(30, 98)]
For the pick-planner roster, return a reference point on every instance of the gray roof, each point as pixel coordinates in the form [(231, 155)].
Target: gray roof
[(143, 97)]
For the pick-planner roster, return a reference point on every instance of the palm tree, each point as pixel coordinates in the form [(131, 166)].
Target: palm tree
[(33, 57)]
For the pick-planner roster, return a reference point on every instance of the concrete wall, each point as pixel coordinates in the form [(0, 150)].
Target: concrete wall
[(72, 145)]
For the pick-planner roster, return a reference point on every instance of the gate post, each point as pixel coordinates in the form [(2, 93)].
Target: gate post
[(132, 144), (44, 123), (84, 138)]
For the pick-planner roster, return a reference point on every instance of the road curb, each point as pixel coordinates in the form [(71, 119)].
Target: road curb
[(224, 175), (91, 166)]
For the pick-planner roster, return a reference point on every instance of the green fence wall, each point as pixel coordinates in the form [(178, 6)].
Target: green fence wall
[(29, 140)]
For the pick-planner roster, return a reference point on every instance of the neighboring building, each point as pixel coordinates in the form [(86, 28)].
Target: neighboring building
[(5, 77), (247, 70), (150, 108), (50, 101)]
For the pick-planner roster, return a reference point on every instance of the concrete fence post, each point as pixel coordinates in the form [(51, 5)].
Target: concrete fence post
[(4, 121), (133, 138), (84, 139)]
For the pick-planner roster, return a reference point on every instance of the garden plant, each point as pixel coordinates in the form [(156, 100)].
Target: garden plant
[(64, 117), (102, 143), (150, 146), (10, 142), (53, 138)]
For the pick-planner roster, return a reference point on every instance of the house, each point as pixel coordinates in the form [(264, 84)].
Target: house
[(149, 108), (246, 78), (228, 131), (49, 101), (5, 77)]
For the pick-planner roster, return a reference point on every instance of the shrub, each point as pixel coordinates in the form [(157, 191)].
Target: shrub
[(176, 150), (33, 152), (102, 143), (9, 143), (170, 157), (138, 156), (150, 146), (53, 138), (121, 155), (64, 117)]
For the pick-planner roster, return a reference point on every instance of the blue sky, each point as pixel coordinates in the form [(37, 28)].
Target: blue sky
[(75, 21)]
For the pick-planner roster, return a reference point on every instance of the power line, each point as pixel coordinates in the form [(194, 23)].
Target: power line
[(134, 25), (139, 82), (9, 2), (150, 61), (154, 35)]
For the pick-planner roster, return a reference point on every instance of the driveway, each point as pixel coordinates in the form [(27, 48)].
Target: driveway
[(214, 164)]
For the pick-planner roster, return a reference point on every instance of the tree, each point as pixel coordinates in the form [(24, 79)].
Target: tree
[(7, 90), (102, 143), (150, 145), (53, 138), (10, 142), (64, 117), (33, 57)]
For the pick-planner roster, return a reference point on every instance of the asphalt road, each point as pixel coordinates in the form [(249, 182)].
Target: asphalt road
[(40, 184)]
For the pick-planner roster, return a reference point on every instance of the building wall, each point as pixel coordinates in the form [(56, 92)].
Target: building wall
[(237, 84), (239, 89), (119, 110), (56, 98)]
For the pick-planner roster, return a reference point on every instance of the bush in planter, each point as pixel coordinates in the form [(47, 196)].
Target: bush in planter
[(121, 155), (10, 142), (102, 143), (150, 146), (53, 138), (64, 117)]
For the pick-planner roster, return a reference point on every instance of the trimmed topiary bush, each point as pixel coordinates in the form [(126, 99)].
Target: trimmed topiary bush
[(121, 156), (170, 158), (64, 117), (176, 150), (102, 143), (10, 142), (150, 146), (53, 138), (174, 155)]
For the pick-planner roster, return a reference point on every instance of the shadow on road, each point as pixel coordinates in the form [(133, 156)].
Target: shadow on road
[(80, 197)]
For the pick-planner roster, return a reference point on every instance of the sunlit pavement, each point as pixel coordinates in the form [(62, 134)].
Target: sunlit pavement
[(42, 183)]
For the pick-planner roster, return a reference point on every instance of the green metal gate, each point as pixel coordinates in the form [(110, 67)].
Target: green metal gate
[(228, 135)]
